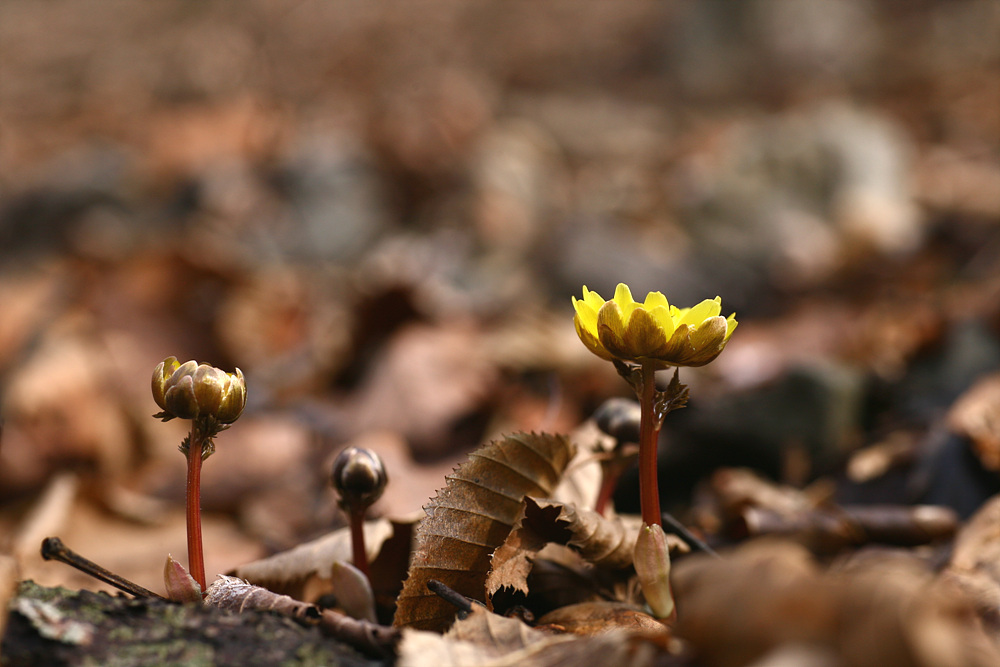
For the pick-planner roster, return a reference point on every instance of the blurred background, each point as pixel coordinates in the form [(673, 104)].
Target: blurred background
[(380, 211)]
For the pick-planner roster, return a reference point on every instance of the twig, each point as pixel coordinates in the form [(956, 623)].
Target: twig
[(54, 549), (677, 528)]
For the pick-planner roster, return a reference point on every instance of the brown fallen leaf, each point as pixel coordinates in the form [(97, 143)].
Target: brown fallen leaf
[(751, 505), (975, 559), (471, 517), (877, 611), (597, 618), (237, 595), (830, 529), (485, 639), (306, 572), (976, 415), (605, 542)]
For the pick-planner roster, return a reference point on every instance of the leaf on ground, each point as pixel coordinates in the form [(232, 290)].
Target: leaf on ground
[(485, 639), (597, 618), (605, 542), (236, 595), (976, 415), (880, 610), (471, 517), (975, 559), (754, 506), (306, 571)]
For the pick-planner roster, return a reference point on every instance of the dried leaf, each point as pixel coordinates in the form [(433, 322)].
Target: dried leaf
[(306, 572), (976, 415), (754, 506), (485, 639), (975, 560), (237, 595), (179, 584), (878, 611), (606, 542), (598, 618), (354, 591), (471, 517)]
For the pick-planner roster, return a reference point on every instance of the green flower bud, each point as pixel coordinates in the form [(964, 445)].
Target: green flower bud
[(192, 390), (652, 566), (359, 477)]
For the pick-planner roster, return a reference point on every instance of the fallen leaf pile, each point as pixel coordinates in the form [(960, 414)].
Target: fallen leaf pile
[(379, 212)]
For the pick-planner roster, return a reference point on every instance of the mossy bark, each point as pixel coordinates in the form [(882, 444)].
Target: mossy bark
[(56, 626)]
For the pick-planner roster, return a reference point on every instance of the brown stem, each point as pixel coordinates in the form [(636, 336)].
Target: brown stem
[(358, 553), (649, 431), (608, 483), (196, 553)]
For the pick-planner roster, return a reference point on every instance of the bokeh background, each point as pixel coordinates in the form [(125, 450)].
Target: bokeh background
[(379, 211)]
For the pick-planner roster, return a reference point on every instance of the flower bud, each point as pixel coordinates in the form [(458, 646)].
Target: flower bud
[(359, 477), (191, 390), (652, 567)]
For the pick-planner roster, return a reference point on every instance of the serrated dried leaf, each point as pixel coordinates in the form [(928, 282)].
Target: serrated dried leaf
[(306, 572), (471, 517), (605, 542)]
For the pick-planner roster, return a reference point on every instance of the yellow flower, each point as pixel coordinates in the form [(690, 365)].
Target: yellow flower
[(653, 330), (191, 390)]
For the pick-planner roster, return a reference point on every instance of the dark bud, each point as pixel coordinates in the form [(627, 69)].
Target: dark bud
[(359, 477), (619, 418)]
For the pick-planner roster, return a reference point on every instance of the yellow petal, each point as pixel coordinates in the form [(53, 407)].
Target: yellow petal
[(655, 299), (592, 299), (704, 310), (662, 316), (678, 348), (586, 315), (623, 295), (708, 341), (643, 336), (590, 340), (611, 330), (731, 324)]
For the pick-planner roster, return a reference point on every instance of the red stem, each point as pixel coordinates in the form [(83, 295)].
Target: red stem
[(649, 432), (358, 553), (196, 553)]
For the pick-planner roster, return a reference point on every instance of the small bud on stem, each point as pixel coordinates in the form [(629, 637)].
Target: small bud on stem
[(359, 478)]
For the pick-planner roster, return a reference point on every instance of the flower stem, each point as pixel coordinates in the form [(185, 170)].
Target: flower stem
[(196, 553), (649, 431), (358, 553)]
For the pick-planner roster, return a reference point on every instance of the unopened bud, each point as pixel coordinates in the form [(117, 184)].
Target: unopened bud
[(619, 418), (191, 390), (652, 566), (359, 477)]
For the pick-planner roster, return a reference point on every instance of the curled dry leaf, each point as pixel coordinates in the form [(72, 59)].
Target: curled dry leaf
[(237, 595), (485, 639), (471, 517), (606, 542), (307, 571)]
